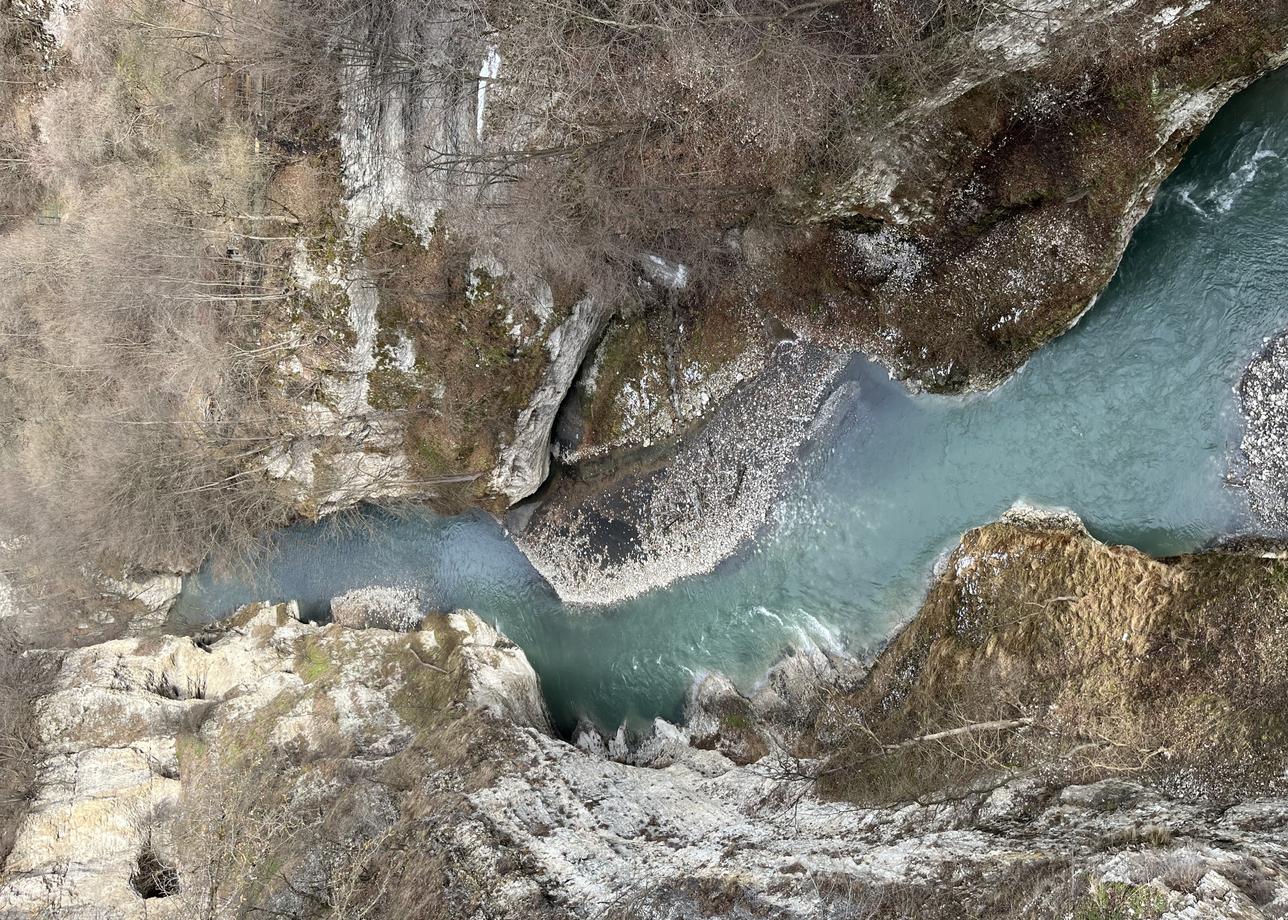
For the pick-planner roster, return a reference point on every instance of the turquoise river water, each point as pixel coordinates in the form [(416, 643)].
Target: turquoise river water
[(1130, 420)]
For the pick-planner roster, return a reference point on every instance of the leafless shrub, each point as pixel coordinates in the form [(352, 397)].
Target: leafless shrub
[(611, 128), (23, 678), (137, 414), (1178, 870), (131, 368), (626, 127), (233, 828), (21, 41)]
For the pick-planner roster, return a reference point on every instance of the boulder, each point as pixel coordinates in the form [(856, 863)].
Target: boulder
[(378, 607)]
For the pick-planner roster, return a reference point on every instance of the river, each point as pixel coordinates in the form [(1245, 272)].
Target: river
[(1130, 420)]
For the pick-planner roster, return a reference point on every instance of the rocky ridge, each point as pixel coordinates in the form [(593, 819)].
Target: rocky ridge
[(415, 774)]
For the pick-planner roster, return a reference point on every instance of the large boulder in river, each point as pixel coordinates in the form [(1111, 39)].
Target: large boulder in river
[(378, 607)]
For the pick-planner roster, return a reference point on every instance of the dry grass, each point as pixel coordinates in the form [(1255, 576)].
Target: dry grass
[(132, 371), (21, 76), (1171, 671)]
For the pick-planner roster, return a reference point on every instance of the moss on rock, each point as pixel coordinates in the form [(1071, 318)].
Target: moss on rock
[(476, 362)]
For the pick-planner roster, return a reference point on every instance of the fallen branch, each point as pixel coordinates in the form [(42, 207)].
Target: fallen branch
[(998, 725)]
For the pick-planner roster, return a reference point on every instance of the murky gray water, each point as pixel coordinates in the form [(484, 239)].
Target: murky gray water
[(1130, 420)]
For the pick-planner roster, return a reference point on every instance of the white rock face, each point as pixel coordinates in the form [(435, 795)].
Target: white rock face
[(110, 778), (377, 607), (157, 593), (1263, 396), (108, 734), (599, 831), (8, 601), (500, 679), (525, 463), (340, 450), (404, 132)]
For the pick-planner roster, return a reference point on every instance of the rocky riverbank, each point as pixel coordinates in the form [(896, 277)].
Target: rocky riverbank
[(1064, 727), (1263, 397)]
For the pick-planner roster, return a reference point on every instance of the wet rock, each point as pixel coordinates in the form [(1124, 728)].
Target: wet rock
[(795, 687), (720, 718), (501, 680), (668, 745)]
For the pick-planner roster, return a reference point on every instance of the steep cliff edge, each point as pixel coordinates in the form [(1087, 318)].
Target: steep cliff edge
[(1065, 728), (383, 260)]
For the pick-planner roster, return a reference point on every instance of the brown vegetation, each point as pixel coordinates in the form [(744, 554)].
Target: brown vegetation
[(474, 377), (23, 678), (21, 44), (1044, 648), (132, 393)]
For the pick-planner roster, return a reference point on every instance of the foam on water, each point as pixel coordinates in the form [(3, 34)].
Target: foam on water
[(1129, 420)]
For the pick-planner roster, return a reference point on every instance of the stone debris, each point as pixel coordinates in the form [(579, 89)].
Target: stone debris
[(377, 607)]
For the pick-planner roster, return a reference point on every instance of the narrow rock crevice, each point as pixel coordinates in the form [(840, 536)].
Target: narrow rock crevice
[(153, 878)]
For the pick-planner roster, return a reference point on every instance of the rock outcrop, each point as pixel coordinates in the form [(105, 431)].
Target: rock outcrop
[(602, 543), (525, 463), (994, 209), (306, 771), (131, 726), (398, 609)]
